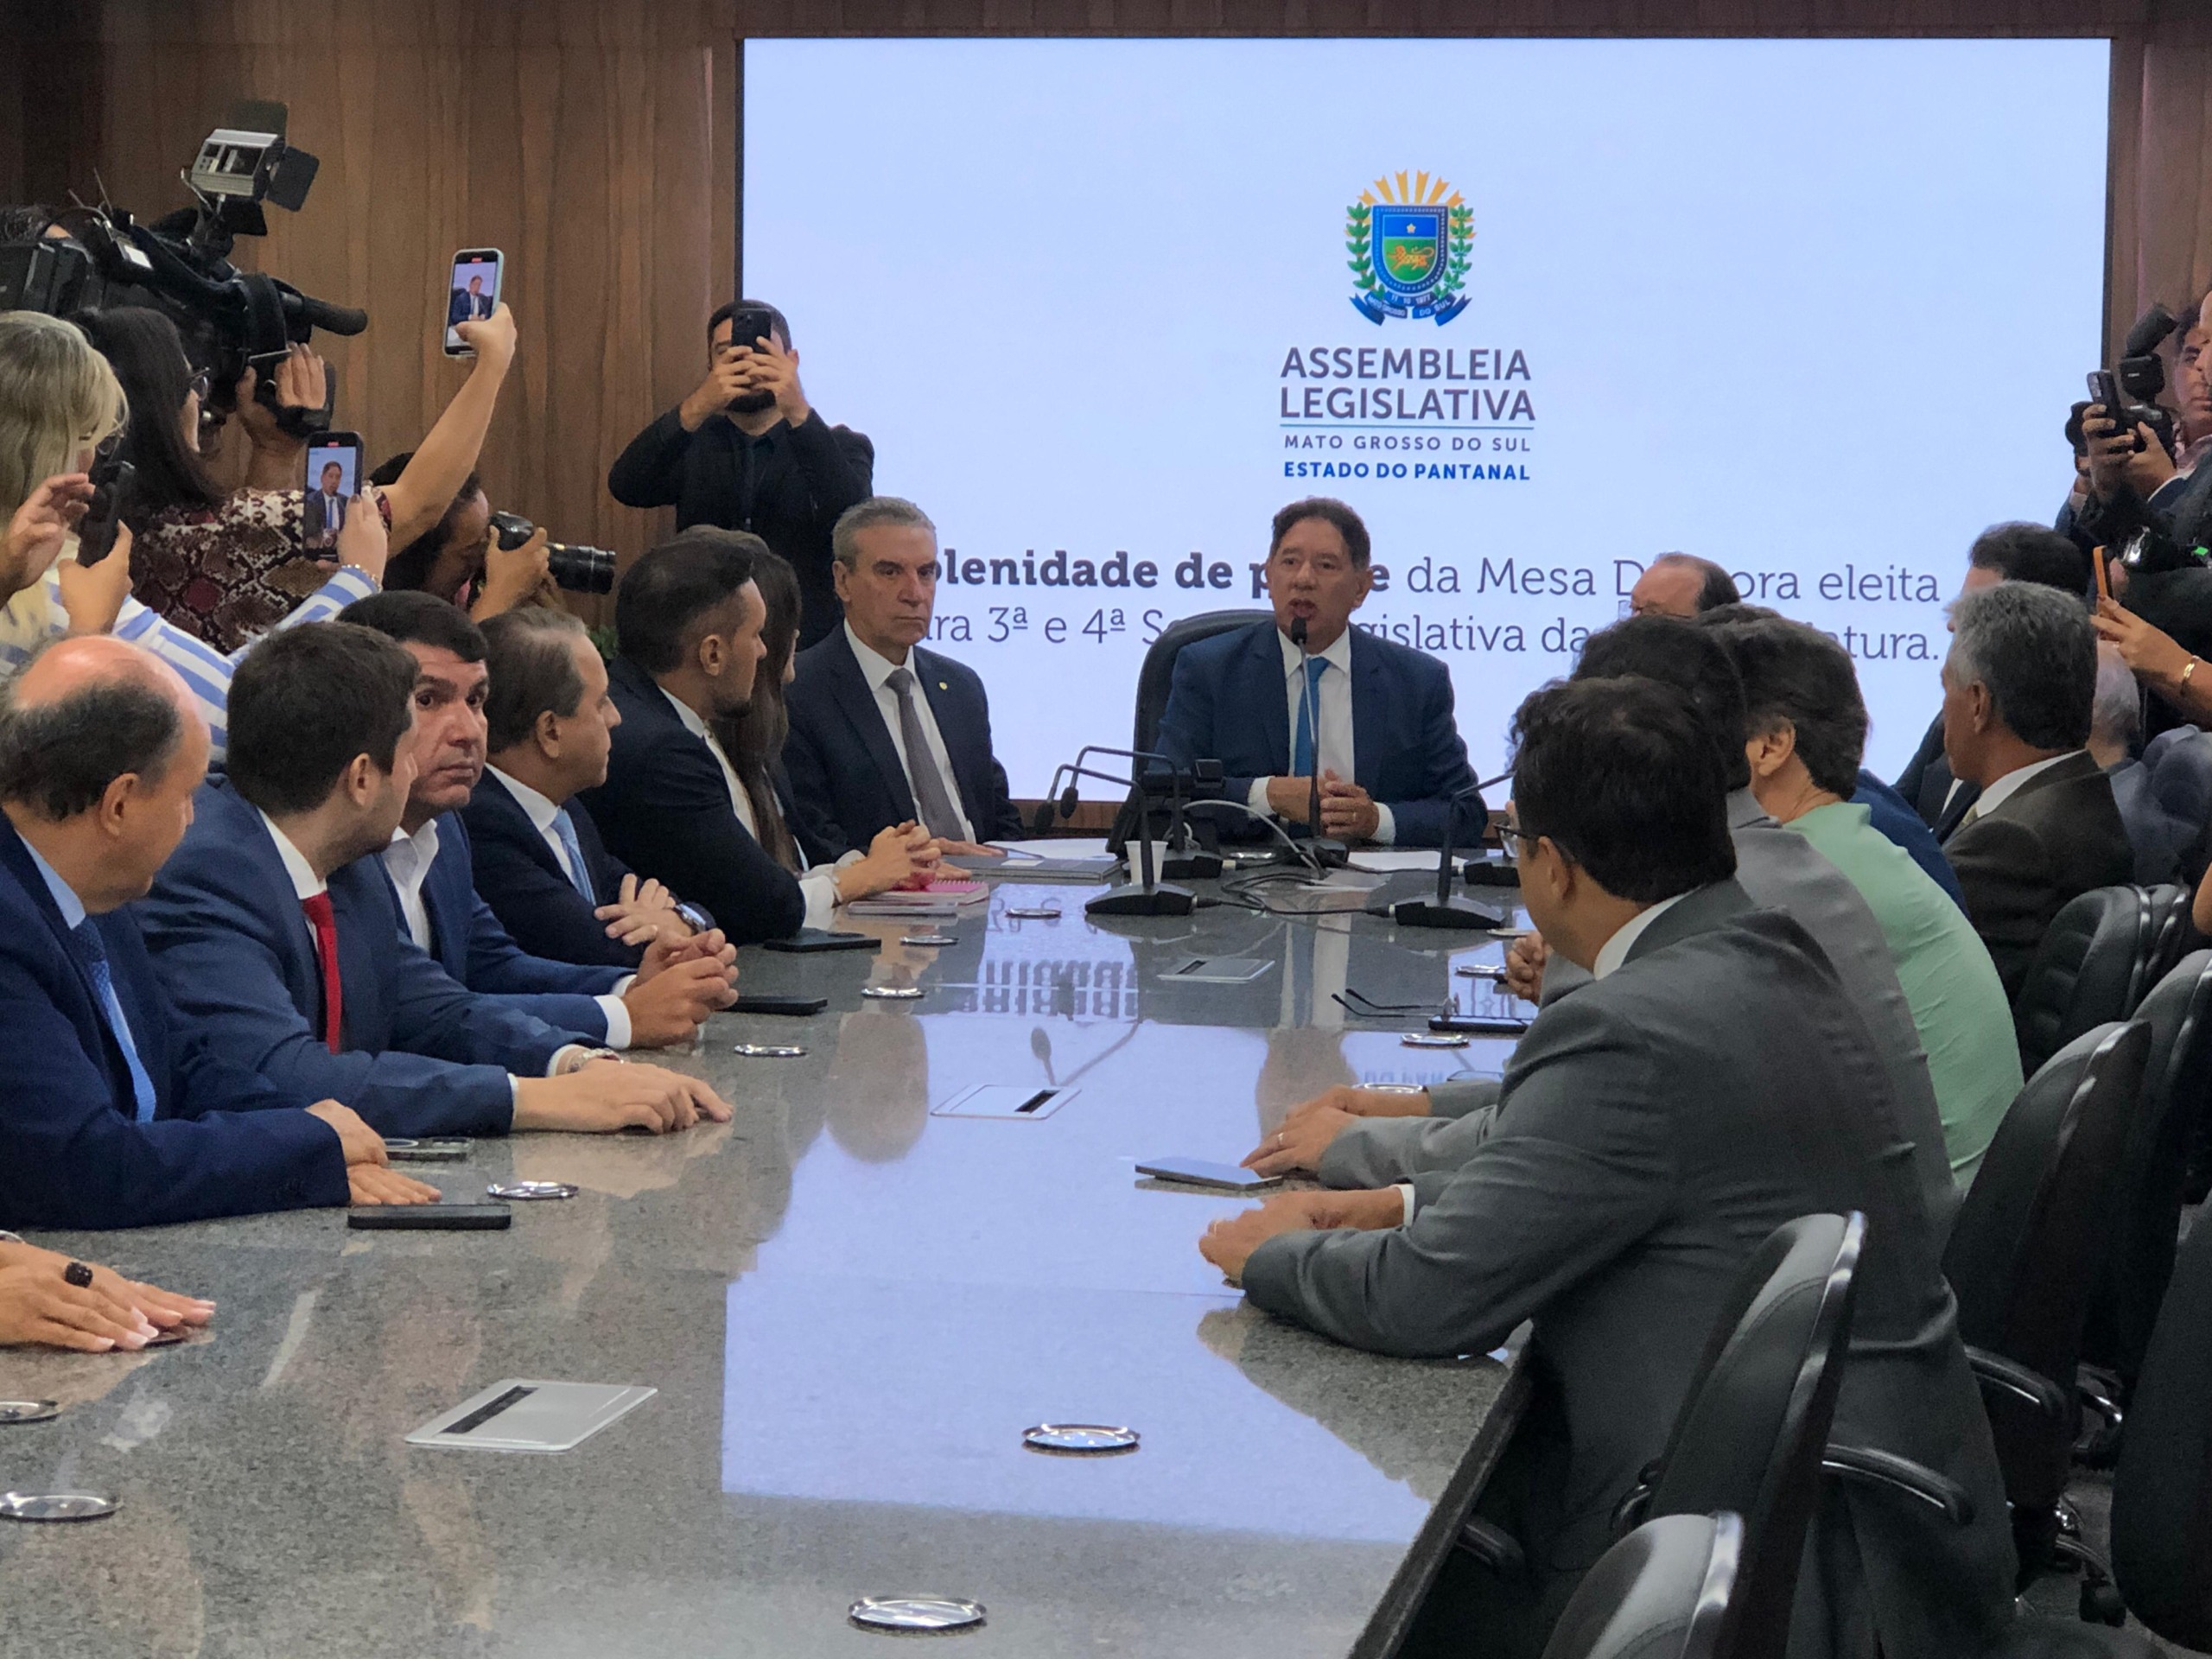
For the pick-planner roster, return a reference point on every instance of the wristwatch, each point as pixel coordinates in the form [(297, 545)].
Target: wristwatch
[(2188, 668), (694, 917)]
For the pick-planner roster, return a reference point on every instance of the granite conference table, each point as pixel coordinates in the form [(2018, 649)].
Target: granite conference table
[(851, 1308)]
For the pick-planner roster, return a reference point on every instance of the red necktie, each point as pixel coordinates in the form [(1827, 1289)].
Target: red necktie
[(324, 920)]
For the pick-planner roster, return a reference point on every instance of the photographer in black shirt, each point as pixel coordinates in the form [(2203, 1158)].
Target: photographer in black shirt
[(746, 451)]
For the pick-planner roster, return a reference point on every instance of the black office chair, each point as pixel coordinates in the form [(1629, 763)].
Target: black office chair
[(1664, 1591), (2031, 1239), (2162, 1492), (1158, 674), (2166, 802), (2090, 969), (2147, 1194), (2175, 935), (1749, 1436)]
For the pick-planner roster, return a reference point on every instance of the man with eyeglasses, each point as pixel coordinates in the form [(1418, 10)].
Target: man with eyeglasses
[(1712, 1081)]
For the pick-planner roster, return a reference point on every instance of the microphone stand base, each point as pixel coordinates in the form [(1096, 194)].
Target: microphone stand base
[(1136, 899), (1458, 913)]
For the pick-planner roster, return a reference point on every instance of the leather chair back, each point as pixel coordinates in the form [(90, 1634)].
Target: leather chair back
[(2174, 933), (1158, 674), (1664, 1591), (2166, 802), (1750, 1433), (2087, 971), (2147, 1194), (2030, 1240), (2162, 1491)]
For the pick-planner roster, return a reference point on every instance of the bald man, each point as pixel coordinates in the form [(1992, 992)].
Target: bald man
[(1681, 584), (114, 1114)]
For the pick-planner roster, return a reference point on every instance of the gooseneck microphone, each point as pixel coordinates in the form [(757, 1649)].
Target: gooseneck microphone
[(1448, 910)]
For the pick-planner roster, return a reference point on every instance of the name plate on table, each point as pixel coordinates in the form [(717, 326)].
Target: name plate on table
[(519, 1414), (1218, 970), (1025, 1101)]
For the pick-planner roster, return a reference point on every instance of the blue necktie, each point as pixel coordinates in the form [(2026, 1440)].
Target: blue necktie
[(1309, 715), (579, 874), (95, 959)]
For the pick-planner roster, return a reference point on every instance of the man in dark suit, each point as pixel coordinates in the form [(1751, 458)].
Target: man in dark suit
[(1374, 716), (747, 451), (323, 515), (118, 1113), (688, 617), (276, 930), (1648, 1133), (539, 862), (468, 303), (866, 752), (2008, 552), (2044, 828), (679, 981)]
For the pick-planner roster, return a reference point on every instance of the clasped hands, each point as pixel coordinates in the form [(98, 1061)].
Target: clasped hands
[(1305, 1134), (1348, 812)]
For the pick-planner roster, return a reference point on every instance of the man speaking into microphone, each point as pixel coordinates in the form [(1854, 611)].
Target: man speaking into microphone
[(1306, 709)]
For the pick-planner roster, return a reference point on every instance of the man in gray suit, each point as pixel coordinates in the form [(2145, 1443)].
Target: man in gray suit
[(1778, 868), (1711, 1081)]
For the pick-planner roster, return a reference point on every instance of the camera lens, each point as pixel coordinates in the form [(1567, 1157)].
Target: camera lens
[(580, 570)]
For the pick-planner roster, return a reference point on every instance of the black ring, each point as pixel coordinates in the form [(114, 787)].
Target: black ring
[(78, 1275)]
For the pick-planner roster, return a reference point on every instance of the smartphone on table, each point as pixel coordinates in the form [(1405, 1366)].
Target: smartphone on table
[(472, 295), (1198, 1172), (333, 479)]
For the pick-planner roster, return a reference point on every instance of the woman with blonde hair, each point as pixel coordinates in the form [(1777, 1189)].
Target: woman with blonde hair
[(60, 406)]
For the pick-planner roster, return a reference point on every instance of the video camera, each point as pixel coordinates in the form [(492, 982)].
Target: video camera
[(85, 259), (2133, 383)]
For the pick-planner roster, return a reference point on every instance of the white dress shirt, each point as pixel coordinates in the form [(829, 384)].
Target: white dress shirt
[(306, 884), (1614, 952), (1995, 795), (1332, 733), (408, 861), (819, 886), (878, 670)]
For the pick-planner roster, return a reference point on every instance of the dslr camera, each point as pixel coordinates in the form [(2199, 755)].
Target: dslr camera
[(180, 264), (578, 570)]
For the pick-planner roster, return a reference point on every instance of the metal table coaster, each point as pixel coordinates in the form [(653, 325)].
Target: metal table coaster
[(1034, 913), (1080, 1440), (916, 1615), (930, 938), (28, 1411), (53, 1506), (768, 1050), (892, 993), (532, 1189)]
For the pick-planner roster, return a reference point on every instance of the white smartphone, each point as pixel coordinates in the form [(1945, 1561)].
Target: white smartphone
[(1196, 1172), (474, 292)]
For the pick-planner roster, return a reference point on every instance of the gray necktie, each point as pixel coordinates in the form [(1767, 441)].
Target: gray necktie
[(939, 816)]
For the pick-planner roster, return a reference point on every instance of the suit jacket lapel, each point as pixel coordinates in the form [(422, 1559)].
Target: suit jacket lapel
[(302, 974), (857, 702), (1371, 714), (17, 859), (955, 729), (1262, 685)]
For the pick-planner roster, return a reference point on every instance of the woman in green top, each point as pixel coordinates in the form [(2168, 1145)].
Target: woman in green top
[(1808, 729)]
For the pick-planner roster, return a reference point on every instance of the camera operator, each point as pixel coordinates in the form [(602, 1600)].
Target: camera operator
[(228, 566), (2161, 514), (746, 451), (460, 558), (62, 409)]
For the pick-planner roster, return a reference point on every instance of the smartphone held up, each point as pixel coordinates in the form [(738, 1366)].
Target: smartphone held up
[(333, 478), (471, 294)]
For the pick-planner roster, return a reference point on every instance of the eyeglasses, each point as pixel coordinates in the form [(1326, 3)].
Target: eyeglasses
[(201, 384)]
